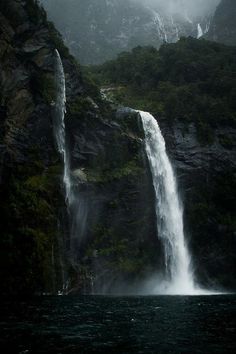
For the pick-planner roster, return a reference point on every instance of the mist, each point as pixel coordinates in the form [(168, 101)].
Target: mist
[(191, 8)]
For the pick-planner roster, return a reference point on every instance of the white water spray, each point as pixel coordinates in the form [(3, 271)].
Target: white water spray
[(59, 123), (169, 212), (199, 31)]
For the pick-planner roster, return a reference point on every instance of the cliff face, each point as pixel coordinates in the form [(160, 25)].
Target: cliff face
[(223, 26), (206, 175), (28, 158), (108, 242), (104, 239), (113, 242), (30, 168)]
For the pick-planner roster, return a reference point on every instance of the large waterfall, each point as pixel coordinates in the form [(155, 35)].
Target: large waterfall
[(178, 275), (59, 123)]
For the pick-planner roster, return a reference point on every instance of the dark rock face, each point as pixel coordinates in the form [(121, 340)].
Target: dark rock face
[(113, 241), (109, 237), (206, 176), (223, 26), (29, 181)]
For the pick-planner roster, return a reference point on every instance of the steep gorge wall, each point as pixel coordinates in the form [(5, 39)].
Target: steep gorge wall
[(41, 248)]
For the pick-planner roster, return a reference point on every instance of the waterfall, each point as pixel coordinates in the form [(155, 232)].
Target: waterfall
[(175, 28), (208, 24), (76, 202), (59, 123), (59, 111), (160, 26), (199, 31), (169, 212)]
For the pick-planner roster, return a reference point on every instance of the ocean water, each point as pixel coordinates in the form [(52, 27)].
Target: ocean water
[(99, 324)]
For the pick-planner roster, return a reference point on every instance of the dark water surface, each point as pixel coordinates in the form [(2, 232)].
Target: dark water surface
[(160, 324)]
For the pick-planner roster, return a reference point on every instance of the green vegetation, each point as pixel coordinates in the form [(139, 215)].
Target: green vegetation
[(117, 252), (104, 175), (192, 81), (44, 85), (47, 87), (57, 40), (81, 105), (29, 246)]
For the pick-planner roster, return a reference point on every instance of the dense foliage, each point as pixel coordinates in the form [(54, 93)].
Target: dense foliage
[(192, 80), (29, 245)]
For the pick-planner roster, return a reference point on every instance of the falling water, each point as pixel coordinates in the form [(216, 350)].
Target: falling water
[(175, 28), (208, 24), (199, 31), (59, 123), (76, 202), (169, 212), (160, 26)]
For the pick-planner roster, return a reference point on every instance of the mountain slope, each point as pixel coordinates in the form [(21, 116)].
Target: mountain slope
[(223, 26), (96, 31)]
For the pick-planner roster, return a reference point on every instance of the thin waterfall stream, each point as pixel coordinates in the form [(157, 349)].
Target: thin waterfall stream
[(76, 206), (59, 124)]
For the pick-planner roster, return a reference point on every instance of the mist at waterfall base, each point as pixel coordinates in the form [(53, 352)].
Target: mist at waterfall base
[(153, 324)]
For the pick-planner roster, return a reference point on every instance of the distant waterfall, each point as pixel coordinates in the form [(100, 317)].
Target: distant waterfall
[(160, 26), (168, 209), (208, 24), (59, 123), (199, 31)]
